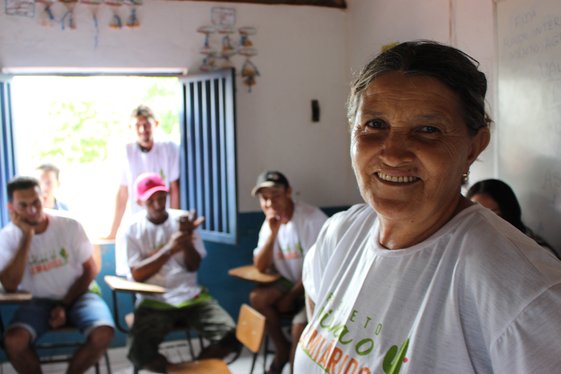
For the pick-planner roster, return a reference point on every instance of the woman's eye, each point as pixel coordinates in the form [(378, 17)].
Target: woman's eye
[(376, 124), (429, 129)]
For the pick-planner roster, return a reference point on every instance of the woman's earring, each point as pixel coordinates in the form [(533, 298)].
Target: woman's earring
[(465, 178)]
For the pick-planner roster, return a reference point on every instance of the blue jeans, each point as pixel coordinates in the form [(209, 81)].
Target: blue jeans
[(87, 312)]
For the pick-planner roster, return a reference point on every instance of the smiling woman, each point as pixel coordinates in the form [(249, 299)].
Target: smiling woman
[(419, 278), (78, 124)]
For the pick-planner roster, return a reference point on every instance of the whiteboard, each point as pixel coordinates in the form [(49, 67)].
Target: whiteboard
[(528, 123)]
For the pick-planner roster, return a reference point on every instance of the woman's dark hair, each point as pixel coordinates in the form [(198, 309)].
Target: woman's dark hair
[(509, 206), (449, 65), (505, 198)]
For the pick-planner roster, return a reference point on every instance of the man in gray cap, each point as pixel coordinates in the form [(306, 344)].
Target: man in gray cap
[(289, 231)]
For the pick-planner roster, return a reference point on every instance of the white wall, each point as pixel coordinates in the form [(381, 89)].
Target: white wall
[(304, 53), (301, 57), (467, 25)]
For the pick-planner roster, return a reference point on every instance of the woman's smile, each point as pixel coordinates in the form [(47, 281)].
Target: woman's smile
[(396, 179)]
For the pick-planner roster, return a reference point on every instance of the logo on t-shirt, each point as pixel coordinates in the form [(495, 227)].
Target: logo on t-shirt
[(46, 262), (291, 253), (347, 347)]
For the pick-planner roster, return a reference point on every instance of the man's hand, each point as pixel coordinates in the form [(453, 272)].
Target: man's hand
[(183, 238), (178, 241), (190, 222), (25, 227), (274, 222), (57, 317)]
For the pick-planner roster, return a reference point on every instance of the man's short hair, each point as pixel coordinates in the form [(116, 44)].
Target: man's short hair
[(20, 183), (50, 167), (143, 111)]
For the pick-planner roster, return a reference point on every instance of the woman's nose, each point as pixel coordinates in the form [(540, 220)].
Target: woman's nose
[(396, 148)]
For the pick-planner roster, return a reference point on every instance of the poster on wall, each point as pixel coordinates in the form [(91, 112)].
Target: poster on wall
[(24, 8)]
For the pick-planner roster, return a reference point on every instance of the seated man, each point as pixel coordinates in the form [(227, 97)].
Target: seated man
[(49, 256), (164, 249), (289, 230)]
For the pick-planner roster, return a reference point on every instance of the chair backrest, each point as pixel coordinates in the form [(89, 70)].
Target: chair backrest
[(250, 330)]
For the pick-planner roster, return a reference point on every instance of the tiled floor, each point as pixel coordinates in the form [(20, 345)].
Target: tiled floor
[(174, 353)]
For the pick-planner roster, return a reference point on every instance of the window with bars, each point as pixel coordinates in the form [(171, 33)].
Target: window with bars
[(208, 153), (6, 147)]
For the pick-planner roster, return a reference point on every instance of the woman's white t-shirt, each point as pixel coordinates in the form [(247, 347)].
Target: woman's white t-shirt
[(478, 296)]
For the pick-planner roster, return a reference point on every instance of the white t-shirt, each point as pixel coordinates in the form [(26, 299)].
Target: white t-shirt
[(143, 237), (294, 239), (478, 296), (56, 256), (163, 159)]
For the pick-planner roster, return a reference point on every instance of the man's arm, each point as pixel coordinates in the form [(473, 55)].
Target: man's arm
[(120, 206), (181, 241), (154, 262), (12, 275), (58, 315), (188, 225), (82, 284), (174, 194)]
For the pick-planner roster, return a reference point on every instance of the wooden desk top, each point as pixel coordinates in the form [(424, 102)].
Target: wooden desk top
[(14, 297), (122, 284), (250, 273)]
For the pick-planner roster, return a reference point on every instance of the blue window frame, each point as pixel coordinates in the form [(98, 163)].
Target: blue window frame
[(7, 162), (208, 153)]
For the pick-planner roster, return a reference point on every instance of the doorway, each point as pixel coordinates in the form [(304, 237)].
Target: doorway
[(80, 124)]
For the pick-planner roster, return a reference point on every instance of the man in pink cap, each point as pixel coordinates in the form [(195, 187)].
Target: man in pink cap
[(164, 249)]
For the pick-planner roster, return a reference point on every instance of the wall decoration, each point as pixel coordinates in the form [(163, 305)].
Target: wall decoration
[(46, 14), (116, 21), (220, 45), (68, 17), (223, 16), (94, 10), (62, 12), (249, 70), (25, 8), (132, 19), (322, 3)]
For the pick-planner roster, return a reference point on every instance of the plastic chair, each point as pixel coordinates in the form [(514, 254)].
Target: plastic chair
[(250, 331)]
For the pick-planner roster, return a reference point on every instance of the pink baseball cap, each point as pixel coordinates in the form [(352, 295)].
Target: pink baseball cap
[(147, 184)]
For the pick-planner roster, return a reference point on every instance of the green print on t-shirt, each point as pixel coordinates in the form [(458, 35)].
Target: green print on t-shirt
[(321, 341), (50, 261), (288, 253)]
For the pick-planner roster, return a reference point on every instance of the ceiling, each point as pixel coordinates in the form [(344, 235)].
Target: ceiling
[(324, 3)]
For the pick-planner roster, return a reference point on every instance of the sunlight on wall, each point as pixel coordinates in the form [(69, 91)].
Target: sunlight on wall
[(81, 124)]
